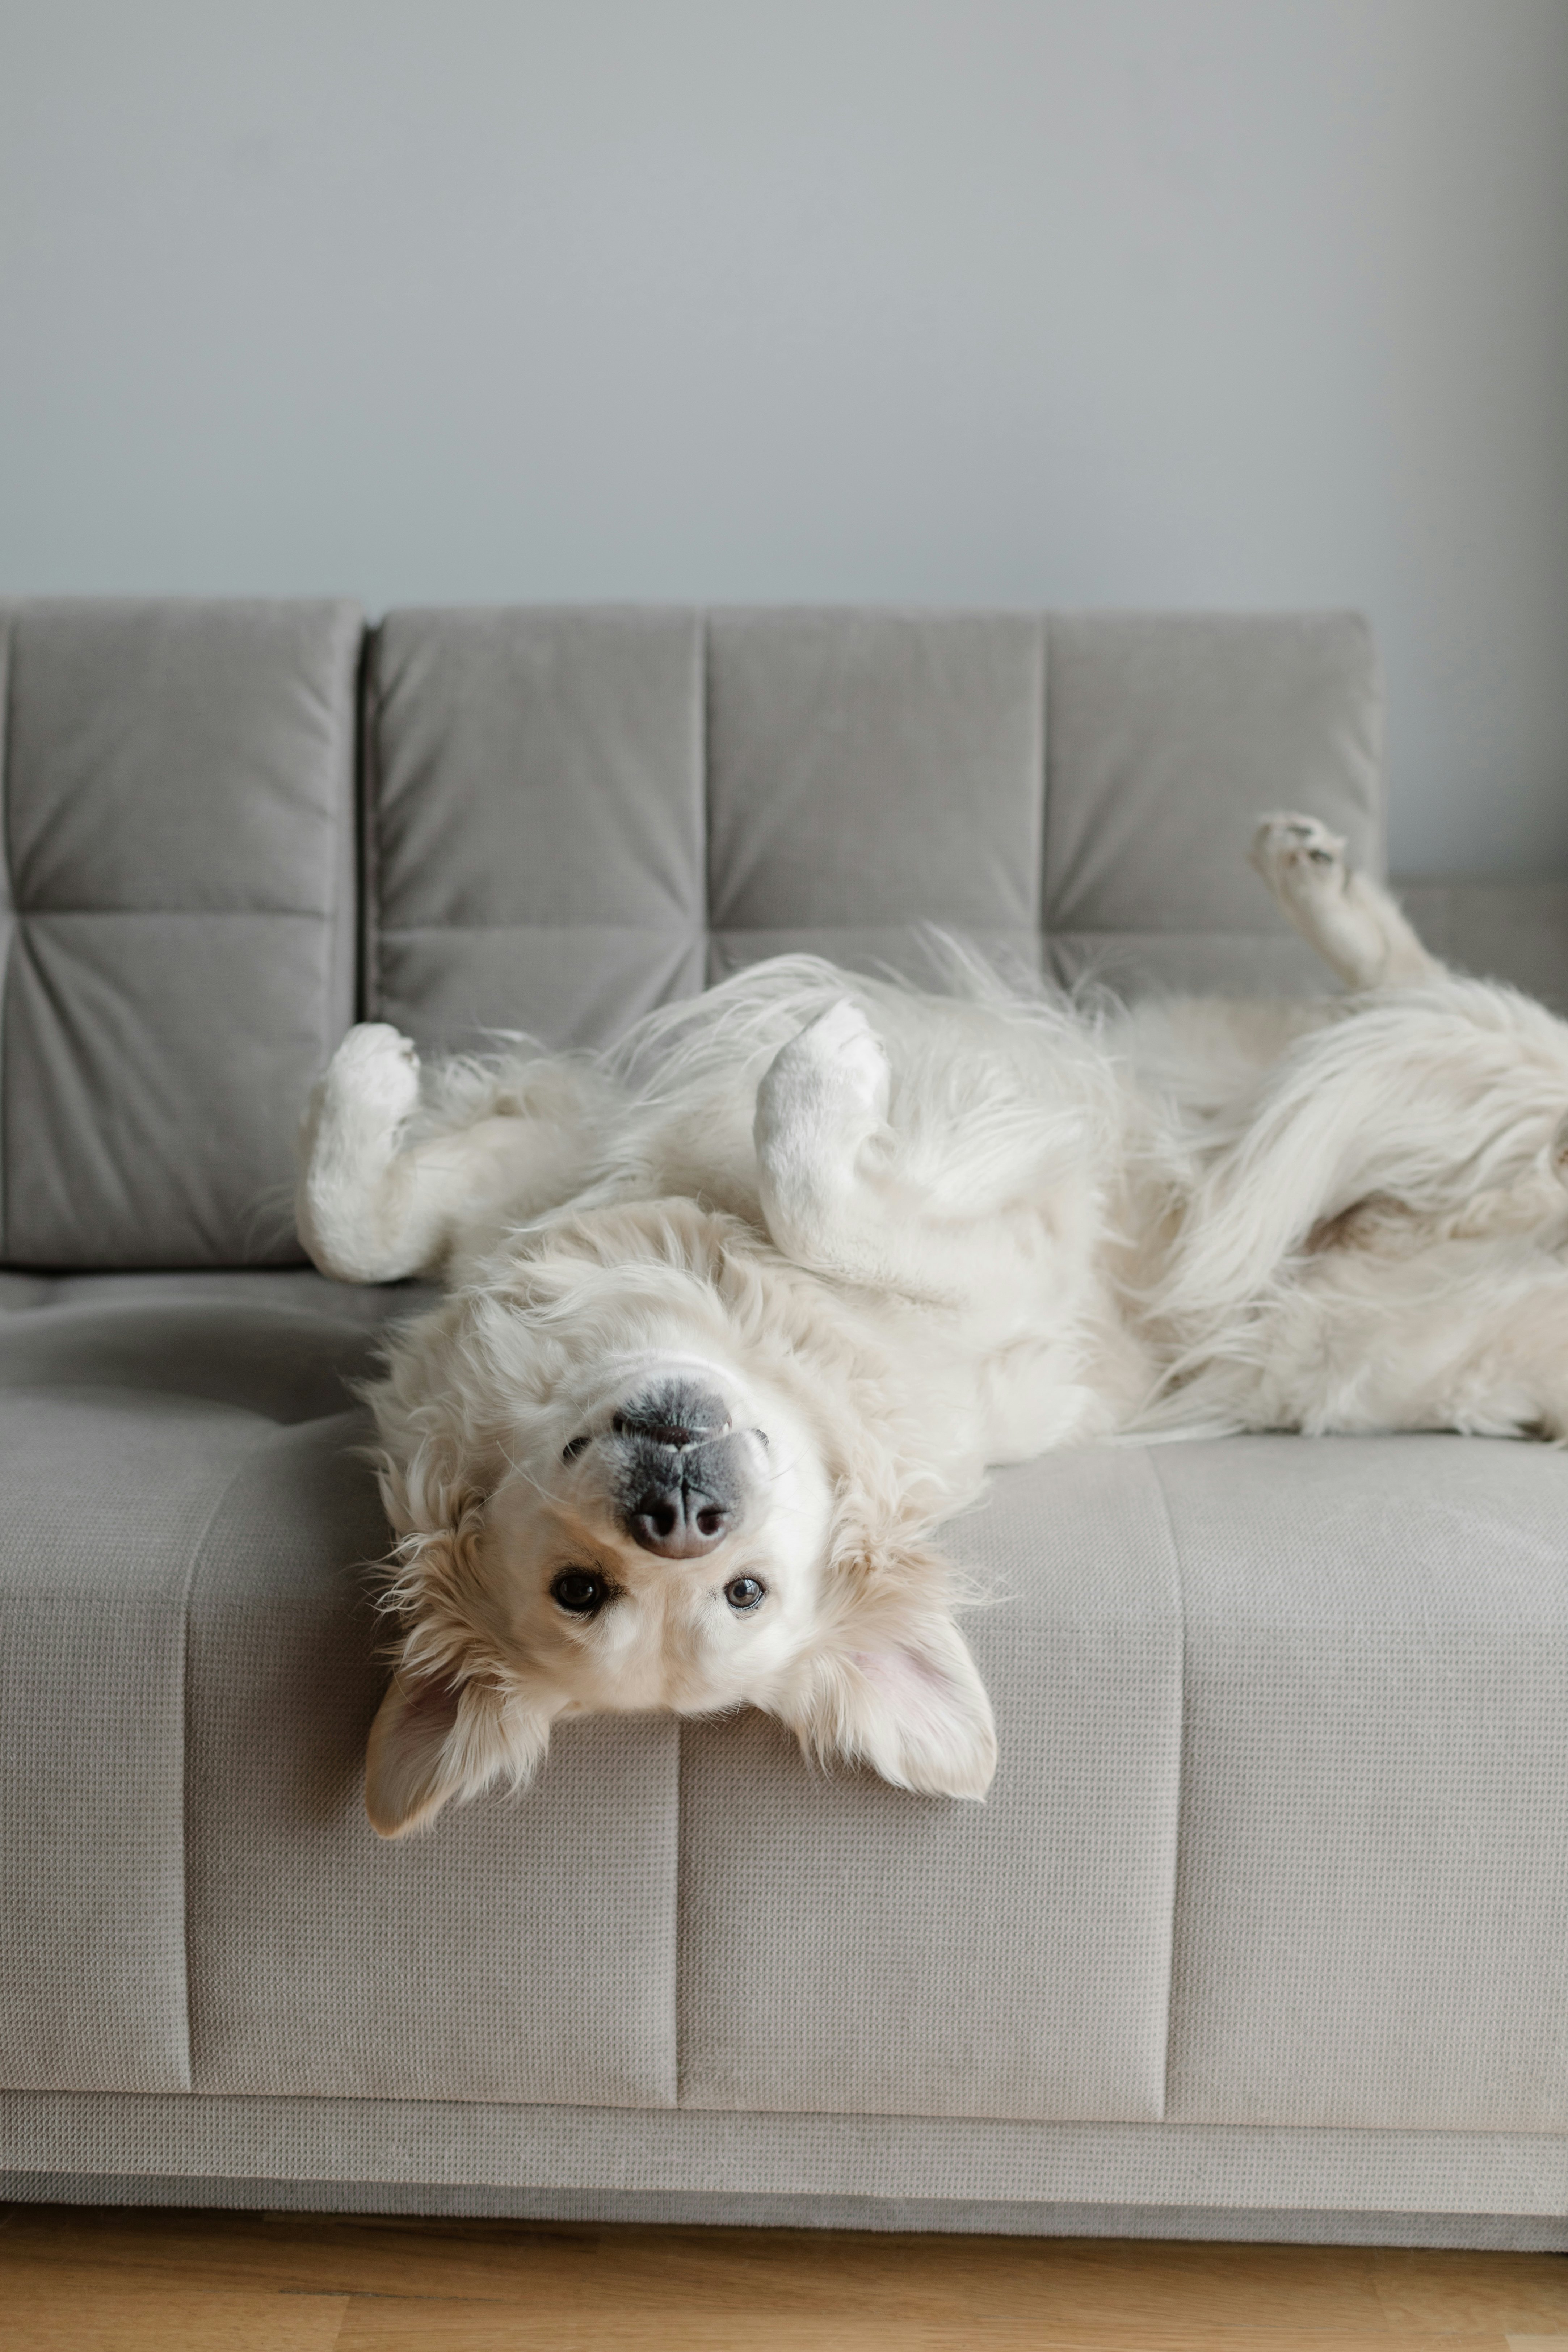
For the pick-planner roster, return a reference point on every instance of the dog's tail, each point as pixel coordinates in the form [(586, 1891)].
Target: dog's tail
[(1422, 1102)]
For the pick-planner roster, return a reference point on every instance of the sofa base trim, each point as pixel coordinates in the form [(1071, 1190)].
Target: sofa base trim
[(718, 2163), (434, 2200)]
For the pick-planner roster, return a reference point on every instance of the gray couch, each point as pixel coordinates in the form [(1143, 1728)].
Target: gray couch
[(1264, 1931)]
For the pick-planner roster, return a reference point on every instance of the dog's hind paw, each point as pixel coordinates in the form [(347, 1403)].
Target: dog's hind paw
[(1298, 857)]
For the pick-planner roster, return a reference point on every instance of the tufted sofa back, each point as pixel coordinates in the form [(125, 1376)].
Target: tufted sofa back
[(574, 815), (179, 920), (567, 817)]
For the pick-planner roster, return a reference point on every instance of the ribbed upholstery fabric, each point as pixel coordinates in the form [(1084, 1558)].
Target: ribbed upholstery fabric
[(127, 1431), (602, 2153), (1372, 1916), (715, 2208), (901, 1956), (525, 1953), (574, 815), (179, 885)]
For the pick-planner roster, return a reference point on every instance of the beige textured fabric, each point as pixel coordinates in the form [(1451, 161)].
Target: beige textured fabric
[(1372, 1909), (127, 1432), (598, 2151), (846, 1945), (1284, 2225), (192, 1892), (526, 1952), (92, 1969)]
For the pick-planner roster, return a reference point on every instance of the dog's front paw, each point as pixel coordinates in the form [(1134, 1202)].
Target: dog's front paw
[(362, 1098), (375, 1069), (824, 1097), (1298, 857), (835, 1074)]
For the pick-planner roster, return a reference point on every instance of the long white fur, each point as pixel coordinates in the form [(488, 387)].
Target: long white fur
[(910, 1236)]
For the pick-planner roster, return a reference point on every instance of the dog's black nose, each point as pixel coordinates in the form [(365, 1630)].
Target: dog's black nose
[(683, 1486), (677, 1521)]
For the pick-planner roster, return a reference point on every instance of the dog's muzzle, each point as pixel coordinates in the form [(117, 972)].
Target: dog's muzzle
[(682, 1483)]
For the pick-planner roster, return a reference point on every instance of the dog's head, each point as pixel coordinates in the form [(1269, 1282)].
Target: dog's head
[(638, 1471)]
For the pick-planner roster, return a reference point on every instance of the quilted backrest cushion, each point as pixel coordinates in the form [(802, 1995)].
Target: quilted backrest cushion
[(179, 784), (1169, 735), (535, 846), (575, 815)]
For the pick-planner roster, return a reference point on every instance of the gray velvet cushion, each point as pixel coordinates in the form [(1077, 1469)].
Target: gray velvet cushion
[(1169, 734), (536, 822), (178, 788), (1515, 931), (575, 816)]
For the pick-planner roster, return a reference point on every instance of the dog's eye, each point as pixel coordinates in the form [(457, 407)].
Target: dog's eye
[(579, 1591), (744, 1592), (570, 1453)]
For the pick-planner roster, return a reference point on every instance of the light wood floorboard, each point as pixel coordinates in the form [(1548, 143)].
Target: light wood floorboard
[(121, 2280)]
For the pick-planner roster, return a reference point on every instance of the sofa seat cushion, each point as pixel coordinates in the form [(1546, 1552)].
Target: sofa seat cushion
[(190, 1895), (1349, 1657), (1280, 1833), (142, 1440), (1372, 1899)]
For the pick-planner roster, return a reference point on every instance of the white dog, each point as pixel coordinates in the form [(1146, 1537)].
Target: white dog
[(740, 1313)]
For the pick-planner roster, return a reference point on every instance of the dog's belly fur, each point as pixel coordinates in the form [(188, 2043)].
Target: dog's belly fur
[(1107, 1220)]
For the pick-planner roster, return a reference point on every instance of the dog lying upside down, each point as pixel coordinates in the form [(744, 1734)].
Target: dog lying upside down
[(739, 1313)]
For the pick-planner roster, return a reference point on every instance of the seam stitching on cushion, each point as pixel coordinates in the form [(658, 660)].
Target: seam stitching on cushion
[(193, 1570), (704, 753), (341, 882), (173, 914), (466, 931), (368, 975), (1046, 661), (1045, 799), (1175, 1556), (13, 908), (677, 2053), (1379, 746)]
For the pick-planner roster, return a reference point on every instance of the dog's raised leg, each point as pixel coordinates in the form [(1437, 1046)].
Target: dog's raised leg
[(822, 1111), (353, 1200), (834, 1193), (375, 1206), (1351, 921)]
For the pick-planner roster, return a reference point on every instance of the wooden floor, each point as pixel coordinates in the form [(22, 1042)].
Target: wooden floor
[(119, 2281)]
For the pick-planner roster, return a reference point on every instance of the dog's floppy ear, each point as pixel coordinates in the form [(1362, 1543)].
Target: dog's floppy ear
[(431, 1742), (893, 1686)]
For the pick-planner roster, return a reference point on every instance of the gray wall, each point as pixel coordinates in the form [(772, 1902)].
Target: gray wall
[(1213, 302)]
